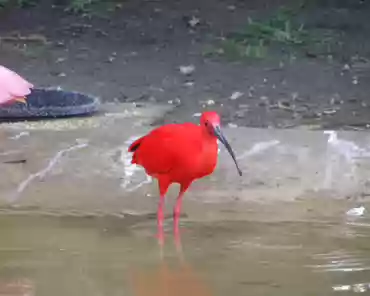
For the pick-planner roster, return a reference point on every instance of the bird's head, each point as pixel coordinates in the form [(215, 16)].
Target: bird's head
[(209, 120), (211, 123)]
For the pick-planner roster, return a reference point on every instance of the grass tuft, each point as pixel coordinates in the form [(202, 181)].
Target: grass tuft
[(258, 37)]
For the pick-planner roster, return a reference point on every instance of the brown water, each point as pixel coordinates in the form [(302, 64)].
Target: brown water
[(106, 256)]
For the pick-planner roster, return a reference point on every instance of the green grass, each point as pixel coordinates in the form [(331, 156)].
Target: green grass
[(257, 38), (72, 6), (19, 3), (80, 6)]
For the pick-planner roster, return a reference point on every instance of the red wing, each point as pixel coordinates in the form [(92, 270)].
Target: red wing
[(159, 151)]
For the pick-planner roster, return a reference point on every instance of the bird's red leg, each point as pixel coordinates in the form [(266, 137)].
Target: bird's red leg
[(177, 212), (160, 218), (163, 187)]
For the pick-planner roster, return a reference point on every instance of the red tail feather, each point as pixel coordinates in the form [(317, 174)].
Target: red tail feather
[(133, 148)]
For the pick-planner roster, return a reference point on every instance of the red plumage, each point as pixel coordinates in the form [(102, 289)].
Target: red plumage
[(180, 153)]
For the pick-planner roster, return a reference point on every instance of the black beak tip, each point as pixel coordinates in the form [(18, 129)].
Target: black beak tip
[(240, 173)]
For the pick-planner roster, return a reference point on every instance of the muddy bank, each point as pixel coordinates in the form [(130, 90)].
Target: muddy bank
[(136, 52)]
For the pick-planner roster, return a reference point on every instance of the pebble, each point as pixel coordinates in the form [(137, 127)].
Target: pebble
[(187, 70), (232, 125), (356, 211), (236, 95), (194, 21)]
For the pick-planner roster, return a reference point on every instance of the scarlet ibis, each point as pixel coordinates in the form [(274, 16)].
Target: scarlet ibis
[(12, 87), (180, 153)]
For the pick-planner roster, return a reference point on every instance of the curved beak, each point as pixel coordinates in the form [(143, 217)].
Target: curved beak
[(221, 137)]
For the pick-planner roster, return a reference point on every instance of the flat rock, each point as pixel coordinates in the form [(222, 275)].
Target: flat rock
[(82, 166)]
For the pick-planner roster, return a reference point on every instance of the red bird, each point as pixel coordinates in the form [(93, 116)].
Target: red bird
[(180, 153)]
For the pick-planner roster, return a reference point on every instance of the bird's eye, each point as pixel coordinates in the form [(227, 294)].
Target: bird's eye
[(206, 123)]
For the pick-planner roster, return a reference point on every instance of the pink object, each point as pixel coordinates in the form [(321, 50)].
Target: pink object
[(12, 86)]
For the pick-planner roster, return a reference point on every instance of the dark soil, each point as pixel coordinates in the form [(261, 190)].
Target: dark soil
[(134, 54)]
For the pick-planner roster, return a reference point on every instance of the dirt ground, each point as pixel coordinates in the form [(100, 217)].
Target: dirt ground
[(135, 53)]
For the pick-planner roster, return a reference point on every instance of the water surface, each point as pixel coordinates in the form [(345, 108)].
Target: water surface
[(107, 256)]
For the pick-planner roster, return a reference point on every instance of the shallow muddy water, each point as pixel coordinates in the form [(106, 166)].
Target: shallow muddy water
[(108, 256)]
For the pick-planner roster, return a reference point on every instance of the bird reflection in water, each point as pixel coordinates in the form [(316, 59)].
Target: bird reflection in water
[(165, 280), (18, 287)]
